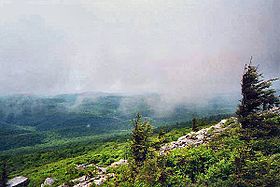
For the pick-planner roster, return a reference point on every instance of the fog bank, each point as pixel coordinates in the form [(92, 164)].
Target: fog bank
[(183, 50)]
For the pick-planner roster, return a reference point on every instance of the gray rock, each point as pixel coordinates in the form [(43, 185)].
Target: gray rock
[(118, 163), (196, 138), (18, 182), (48, 182), (200, 137)]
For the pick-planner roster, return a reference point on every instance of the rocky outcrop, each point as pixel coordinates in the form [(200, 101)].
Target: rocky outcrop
[(200, 137), (48, 182), (99, 179), (18, 182)]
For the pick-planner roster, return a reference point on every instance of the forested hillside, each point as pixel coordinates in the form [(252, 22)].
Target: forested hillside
[(33, 120)]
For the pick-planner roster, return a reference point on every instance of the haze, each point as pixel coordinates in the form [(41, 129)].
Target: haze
[(180, 49)]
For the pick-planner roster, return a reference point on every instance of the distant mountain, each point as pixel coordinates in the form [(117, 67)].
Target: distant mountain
[(39, 119)]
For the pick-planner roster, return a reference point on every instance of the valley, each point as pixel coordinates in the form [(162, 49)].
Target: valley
[(58, 120)]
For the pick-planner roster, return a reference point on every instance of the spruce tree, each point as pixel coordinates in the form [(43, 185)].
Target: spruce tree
[(194, 125), (251, 96), (140, 143), (257, 97)]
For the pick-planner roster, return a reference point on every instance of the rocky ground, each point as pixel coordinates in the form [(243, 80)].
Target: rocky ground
[(100, 178), (18, 181), (200, 137)]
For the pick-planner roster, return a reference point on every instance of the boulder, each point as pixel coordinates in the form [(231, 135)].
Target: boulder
[(182, 138), (200, 137), (81, 166), (120, 162), (101, 180), (223, 121), (101, 170), (80, 179), (48, 182), (18, 182), (84, 184)]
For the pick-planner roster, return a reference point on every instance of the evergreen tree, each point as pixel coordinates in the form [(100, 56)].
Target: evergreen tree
[(257, 96), (194, 125), (140, 140), (251, 97), (4, 175)]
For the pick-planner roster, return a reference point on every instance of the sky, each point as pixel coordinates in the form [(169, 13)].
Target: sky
[(177, 48)]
